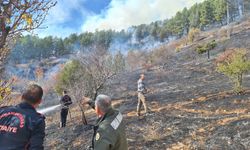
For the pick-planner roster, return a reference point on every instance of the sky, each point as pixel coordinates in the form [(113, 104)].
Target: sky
[(77, 16)]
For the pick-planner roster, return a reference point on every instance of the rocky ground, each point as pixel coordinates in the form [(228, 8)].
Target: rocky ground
[(192, 108)]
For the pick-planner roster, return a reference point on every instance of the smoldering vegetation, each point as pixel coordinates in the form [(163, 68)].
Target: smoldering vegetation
[(192, 106)]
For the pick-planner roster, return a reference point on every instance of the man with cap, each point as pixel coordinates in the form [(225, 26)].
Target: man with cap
[(141, 89), (109, 131), (21, 126)]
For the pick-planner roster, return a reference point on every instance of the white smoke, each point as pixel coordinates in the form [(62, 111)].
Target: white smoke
[(122, 14)]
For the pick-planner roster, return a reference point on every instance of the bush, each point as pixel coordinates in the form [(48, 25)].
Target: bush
[(5, 89), (206, 47), (192, 34), (178, 49), (201, 49), (234, 63), (4, 92), (211, 45), (69, 75)]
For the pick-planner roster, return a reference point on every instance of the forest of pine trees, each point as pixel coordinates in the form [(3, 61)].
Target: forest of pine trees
[(203, 16)]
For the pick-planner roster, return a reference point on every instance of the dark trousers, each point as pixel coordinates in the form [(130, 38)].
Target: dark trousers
[(64, 114)]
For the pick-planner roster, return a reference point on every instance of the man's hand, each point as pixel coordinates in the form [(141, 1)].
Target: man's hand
[(85, 100), (89, 101), (145, 91)]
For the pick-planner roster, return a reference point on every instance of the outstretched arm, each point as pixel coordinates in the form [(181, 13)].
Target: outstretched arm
[(90, 102)]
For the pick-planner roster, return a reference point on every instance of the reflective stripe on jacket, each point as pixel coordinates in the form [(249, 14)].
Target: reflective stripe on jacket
[(109, 133)]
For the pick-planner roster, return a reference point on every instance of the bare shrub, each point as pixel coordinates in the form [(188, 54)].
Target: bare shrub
[(88, 74), (5, 89)]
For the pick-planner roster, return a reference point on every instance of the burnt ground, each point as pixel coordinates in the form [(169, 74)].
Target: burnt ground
[(191, 105), (192, 108)]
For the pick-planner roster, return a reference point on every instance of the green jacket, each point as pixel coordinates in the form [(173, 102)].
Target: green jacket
[(109, 132)]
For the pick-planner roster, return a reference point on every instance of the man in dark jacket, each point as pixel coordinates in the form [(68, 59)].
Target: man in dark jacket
[(109, 131), (65, 102), (21, 127)]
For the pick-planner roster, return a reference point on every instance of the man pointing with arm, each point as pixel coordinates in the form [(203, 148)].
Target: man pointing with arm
[(109, 131)]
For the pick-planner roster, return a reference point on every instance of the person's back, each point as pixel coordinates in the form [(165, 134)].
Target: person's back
[(112, 129), (21, 127), (65, 101), (109, 130), (17, 124)]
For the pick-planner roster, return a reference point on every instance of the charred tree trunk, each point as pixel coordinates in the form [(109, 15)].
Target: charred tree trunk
[(228, 21), (228, 14), (240, 79), (94, 95), (240, 8), (84, 120), (4, 31), (208, 54)]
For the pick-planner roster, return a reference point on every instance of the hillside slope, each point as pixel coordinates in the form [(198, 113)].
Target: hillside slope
[(192, 106)]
